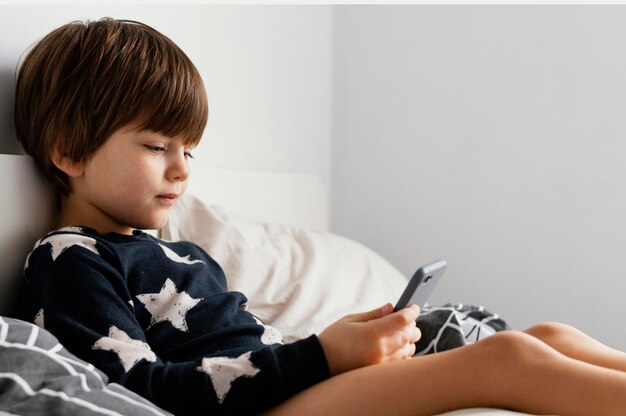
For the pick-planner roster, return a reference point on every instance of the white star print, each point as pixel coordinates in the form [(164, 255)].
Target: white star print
[(61, 242), (270, 335), (176, 258), (169, 305), (71, 229), (130, 351), (224, 371), (39, 319)]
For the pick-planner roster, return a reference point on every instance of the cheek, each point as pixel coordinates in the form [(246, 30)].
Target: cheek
[(140, 172), (125, 178)]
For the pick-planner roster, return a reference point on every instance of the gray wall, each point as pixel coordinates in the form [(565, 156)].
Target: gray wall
[(493, 137)]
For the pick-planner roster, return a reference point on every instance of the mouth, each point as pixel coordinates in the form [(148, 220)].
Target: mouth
[(168, 199)]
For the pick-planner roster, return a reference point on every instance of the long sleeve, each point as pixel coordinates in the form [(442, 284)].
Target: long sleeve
[(162, 323)]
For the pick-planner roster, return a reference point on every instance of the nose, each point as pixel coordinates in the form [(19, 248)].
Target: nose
[(178, 168)]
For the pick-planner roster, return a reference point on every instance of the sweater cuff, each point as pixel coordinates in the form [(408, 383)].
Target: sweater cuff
[(312, 366)]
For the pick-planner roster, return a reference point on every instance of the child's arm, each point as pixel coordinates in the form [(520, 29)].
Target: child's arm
[(372, 337)]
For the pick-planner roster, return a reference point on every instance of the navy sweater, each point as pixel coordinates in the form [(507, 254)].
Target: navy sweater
[(157, 317)]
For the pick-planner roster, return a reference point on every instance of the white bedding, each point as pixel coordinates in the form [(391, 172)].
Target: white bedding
[(297, 280)]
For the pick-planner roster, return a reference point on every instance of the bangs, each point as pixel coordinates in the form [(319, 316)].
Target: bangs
[(174, 109), (155, 85), (173, 99)]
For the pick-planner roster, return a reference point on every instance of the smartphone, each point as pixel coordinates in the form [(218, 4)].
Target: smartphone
[(421, 285)]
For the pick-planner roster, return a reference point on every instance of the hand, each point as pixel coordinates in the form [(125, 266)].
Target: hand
[(373, 337)]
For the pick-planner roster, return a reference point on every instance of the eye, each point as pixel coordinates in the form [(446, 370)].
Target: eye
[(188, 155), (155, 149)]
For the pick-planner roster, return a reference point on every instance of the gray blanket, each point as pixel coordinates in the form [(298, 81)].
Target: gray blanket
[(454, 325), (38, 376)]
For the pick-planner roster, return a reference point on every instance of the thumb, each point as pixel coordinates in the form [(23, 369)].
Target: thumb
[(373, 314)]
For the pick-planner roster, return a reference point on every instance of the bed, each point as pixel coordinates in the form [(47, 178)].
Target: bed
[(267, 230)]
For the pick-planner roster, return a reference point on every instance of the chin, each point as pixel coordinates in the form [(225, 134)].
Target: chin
[(155, 225)]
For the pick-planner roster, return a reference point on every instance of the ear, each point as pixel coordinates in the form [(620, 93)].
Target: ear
[(70, 167)]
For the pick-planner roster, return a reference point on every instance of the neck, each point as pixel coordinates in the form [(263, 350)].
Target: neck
[(75, 212)]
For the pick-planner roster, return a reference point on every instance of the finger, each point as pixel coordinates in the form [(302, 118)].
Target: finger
[(415, 308), (397, 320), (371, 315), (412, 350), (407, 336), (417, 335), (413, 334), (402, 353)]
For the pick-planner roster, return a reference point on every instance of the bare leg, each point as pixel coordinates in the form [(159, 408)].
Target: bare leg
[(507, 370), (576, 344)]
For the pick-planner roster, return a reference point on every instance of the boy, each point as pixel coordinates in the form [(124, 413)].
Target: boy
[(110, 110)]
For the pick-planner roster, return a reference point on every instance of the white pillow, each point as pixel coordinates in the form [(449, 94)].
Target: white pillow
[(296, 280)]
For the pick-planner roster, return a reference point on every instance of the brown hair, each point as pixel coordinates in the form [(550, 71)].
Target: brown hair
[(85, 80)]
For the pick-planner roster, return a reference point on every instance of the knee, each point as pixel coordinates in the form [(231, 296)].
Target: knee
[(516, 349), (512, 360), (553, 333)]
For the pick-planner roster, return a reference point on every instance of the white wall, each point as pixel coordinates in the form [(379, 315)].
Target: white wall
[(493, 137), (267, 70)]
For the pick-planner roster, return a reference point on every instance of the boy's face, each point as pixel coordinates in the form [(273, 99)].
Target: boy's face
[(131, 181)]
